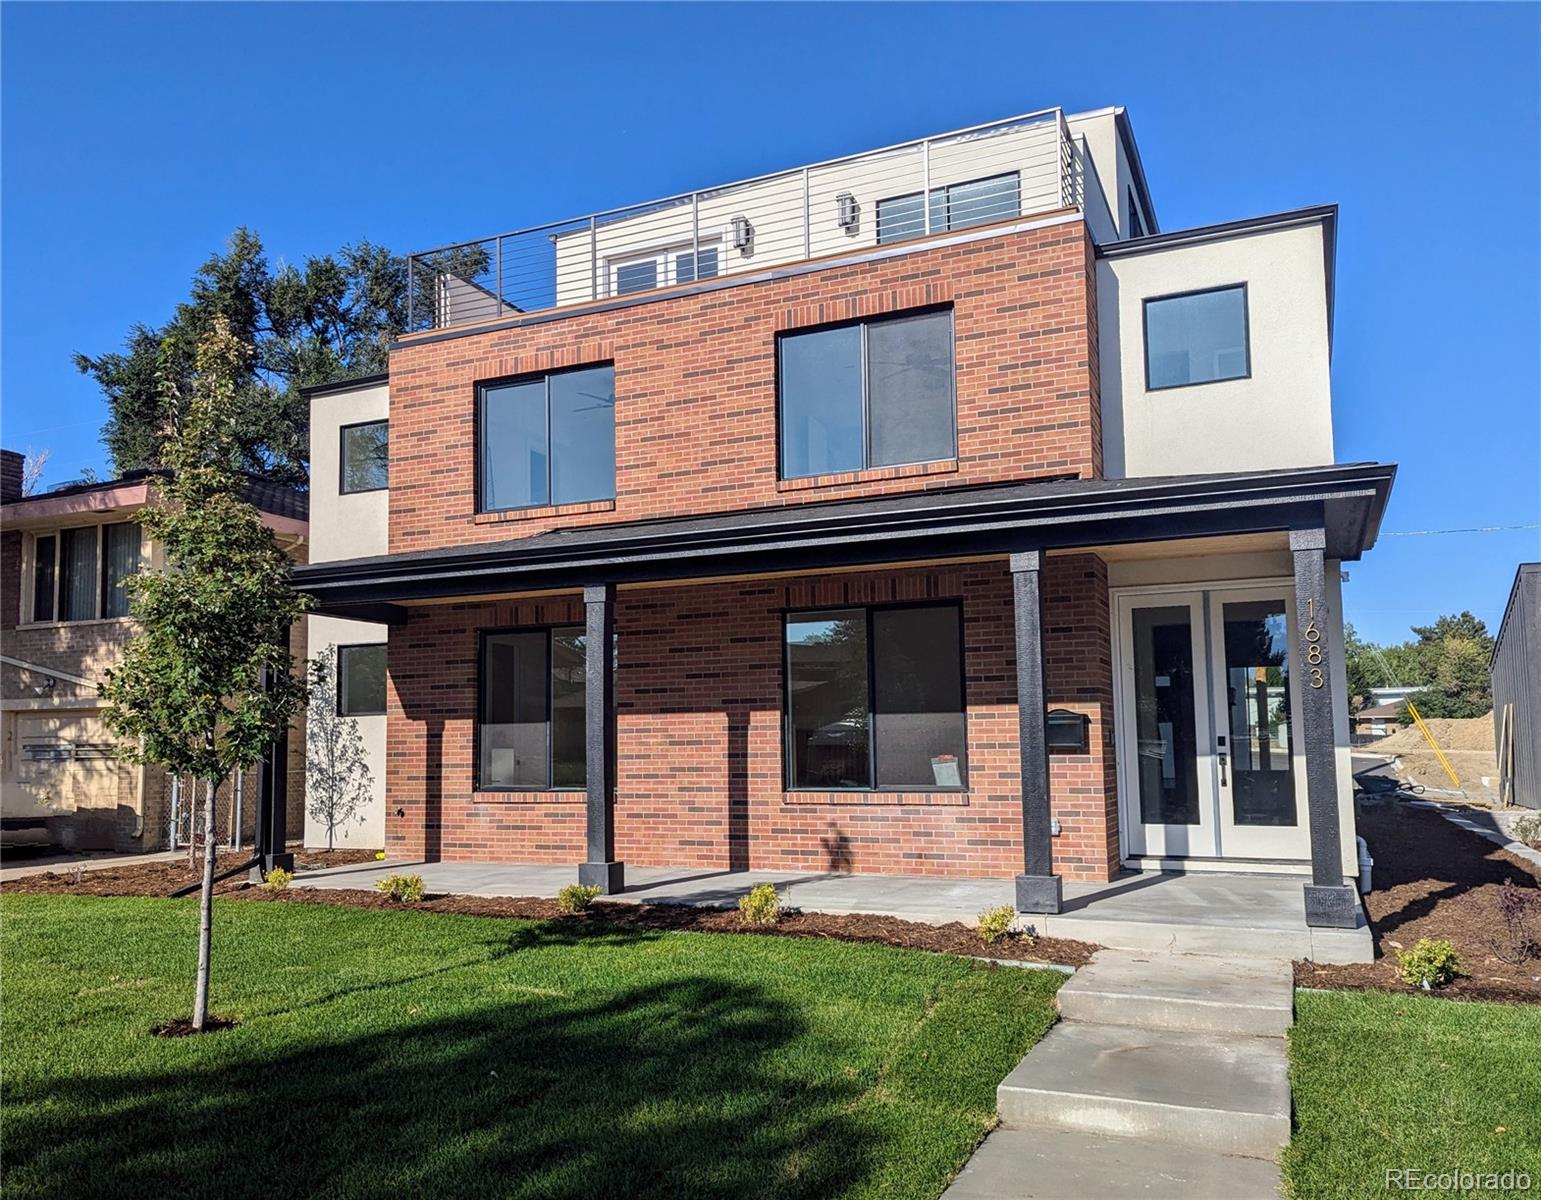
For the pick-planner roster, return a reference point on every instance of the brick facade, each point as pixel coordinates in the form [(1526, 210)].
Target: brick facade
[(699, 730), (695, 379)]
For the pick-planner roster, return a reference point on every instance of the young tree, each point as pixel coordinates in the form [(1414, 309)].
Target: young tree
[(210, 683), (337, 780)]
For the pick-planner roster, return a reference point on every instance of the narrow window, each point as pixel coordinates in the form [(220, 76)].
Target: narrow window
[(78, 552), (874, 394), (548, 440), (120, 560), (955, 206), (1197, 337), (875, 699), (365, 457), (44, 553), (636, 277), (361, 680), (531, 734), (1134, 227)]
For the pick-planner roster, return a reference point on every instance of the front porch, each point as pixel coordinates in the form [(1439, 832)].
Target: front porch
[(1258, 916)]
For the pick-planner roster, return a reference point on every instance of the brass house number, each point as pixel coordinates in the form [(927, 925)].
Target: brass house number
[(1313, 639)]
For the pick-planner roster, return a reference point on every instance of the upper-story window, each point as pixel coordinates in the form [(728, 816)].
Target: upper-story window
[(663, 268), (365, 457), (875, 393), (1196, 337), (956, 206), (549, 439), (79, 574)]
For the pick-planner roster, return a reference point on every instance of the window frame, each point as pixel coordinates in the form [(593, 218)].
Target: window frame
[(941, 196), (342, 458), (483, 386), (788, 745), (866, 391), (549, 631), (337, 698), (99, 607), (1246, 333), (1136, 221), (666, 260)]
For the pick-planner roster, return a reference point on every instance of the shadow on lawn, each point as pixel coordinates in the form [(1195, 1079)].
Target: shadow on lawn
[(669, 1090)]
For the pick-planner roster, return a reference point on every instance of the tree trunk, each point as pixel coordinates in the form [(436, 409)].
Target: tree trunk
[(205, 911)]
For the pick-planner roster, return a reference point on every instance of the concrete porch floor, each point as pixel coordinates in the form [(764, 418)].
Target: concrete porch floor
[(1253, 916)]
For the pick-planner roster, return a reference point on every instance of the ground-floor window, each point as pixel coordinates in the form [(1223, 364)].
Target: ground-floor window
[(875, 699), (530, 733)]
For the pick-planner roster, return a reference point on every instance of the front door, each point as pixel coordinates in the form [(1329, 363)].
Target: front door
[(1209, 755)]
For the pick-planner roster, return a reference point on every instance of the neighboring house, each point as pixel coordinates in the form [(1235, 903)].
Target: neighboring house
[(1378, 721), (66, 555), (1516, 675), (925, 512)]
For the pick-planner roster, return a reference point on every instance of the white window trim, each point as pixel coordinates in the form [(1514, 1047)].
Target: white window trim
[(664, 257), (29, 575)]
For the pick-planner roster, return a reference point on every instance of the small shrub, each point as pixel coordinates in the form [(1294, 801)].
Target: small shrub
[(1430, 964), (575, 897), (1519, 930), (404, 889), (1527, 830), (996, 923), (761, 907), (277, 879), (379, 856)]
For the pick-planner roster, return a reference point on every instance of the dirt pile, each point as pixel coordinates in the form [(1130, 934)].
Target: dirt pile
[(1473, 733), (1467, 744)]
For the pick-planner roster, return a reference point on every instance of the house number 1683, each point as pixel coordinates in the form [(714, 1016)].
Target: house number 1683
[(1313, 637)]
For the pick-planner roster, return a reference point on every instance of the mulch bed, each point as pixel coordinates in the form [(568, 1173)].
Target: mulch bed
[(1433, 879), (163, 878)]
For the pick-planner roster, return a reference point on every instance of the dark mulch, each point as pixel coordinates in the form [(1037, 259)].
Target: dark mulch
[(1435, 880), (183, 1026), (952, 938), (163, 878)]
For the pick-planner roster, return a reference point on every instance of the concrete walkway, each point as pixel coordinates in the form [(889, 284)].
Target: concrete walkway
[(1236, 915), (1166, 1077)]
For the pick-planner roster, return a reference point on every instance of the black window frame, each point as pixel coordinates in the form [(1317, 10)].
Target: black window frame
[(99, 590), (337, 699), (1136, 223), (342, 458), (866, 390), (480, 785), (483, 386), (788, 745), (941, 195), (1246, 333)]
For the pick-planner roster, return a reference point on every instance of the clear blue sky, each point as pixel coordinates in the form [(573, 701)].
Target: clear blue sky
[(135, 138)]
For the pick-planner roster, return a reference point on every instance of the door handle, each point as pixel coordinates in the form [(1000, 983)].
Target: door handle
[(1222, 770)]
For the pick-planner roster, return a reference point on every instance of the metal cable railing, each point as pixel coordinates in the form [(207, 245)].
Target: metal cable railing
[(987, 173)]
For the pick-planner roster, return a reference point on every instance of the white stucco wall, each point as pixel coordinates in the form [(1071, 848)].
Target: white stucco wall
[(1281, 416), (1098, 132), (347, 526)]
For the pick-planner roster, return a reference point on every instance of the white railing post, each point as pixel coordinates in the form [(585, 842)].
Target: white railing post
[(593, 258), (925, 184), (695, 236), (807, 222)]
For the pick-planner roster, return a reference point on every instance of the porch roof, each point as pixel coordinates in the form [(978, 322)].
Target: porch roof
[(1347, 501)]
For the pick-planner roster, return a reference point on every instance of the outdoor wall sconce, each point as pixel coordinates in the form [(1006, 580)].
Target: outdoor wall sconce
[(741, 234), (848, 213), (1068, 732)]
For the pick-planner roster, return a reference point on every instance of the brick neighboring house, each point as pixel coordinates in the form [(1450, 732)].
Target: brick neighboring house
[(922, 512), (64, 556)]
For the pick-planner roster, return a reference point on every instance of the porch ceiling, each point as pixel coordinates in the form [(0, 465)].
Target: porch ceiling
[(1347, 501)]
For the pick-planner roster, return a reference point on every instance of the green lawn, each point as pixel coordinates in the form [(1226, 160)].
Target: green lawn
[(408, 1054), (1396, 1082)]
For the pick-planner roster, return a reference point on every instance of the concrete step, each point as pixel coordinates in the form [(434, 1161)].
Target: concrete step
[(1254, 997), (1223, 1093), (1059, 1164)]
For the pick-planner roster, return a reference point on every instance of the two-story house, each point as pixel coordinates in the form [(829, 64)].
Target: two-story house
[(927, 511), (65, 557)]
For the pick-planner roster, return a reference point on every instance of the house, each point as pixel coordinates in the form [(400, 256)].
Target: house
[(65, 556), (928, 511), (1516, 676), (1377, 721)]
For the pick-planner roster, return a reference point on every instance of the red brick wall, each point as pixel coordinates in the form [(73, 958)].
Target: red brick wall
[(699, 698), (696, 393)]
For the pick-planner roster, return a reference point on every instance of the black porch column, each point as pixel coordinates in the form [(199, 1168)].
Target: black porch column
[(600, 869), (271, 848), (1329, 902), (1038, 888)]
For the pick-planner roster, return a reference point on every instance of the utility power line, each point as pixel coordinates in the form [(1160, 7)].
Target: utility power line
[(1474, 529)]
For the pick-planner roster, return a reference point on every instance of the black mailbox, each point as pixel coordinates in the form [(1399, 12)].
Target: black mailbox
[(1068, 731)]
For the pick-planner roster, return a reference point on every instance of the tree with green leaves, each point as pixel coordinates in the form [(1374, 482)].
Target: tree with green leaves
[(331, 319), (1454, 654), (209, 684)]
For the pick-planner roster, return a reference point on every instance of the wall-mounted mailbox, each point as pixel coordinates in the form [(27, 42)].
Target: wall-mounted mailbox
[(1068, 731)]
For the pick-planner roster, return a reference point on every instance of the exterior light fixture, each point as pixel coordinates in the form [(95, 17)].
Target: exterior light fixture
[(848, 213), (741, 234)]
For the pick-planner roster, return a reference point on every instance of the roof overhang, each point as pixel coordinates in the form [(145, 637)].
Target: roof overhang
[(1345, 501)]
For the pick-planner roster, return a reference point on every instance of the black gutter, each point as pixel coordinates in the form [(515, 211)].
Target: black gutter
[(345, 385)]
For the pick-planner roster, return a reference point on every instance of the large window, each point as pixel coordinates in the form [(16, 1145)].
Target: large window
[(875, 699), (956, 206), (361, 680), (548, 440), (79, 574), (365, 454), (1196, 337), (874, 394), (531, 732)]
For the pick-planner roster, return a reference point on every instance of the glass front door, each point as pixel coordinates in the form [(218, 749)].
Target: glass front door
[(1207, 740)]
